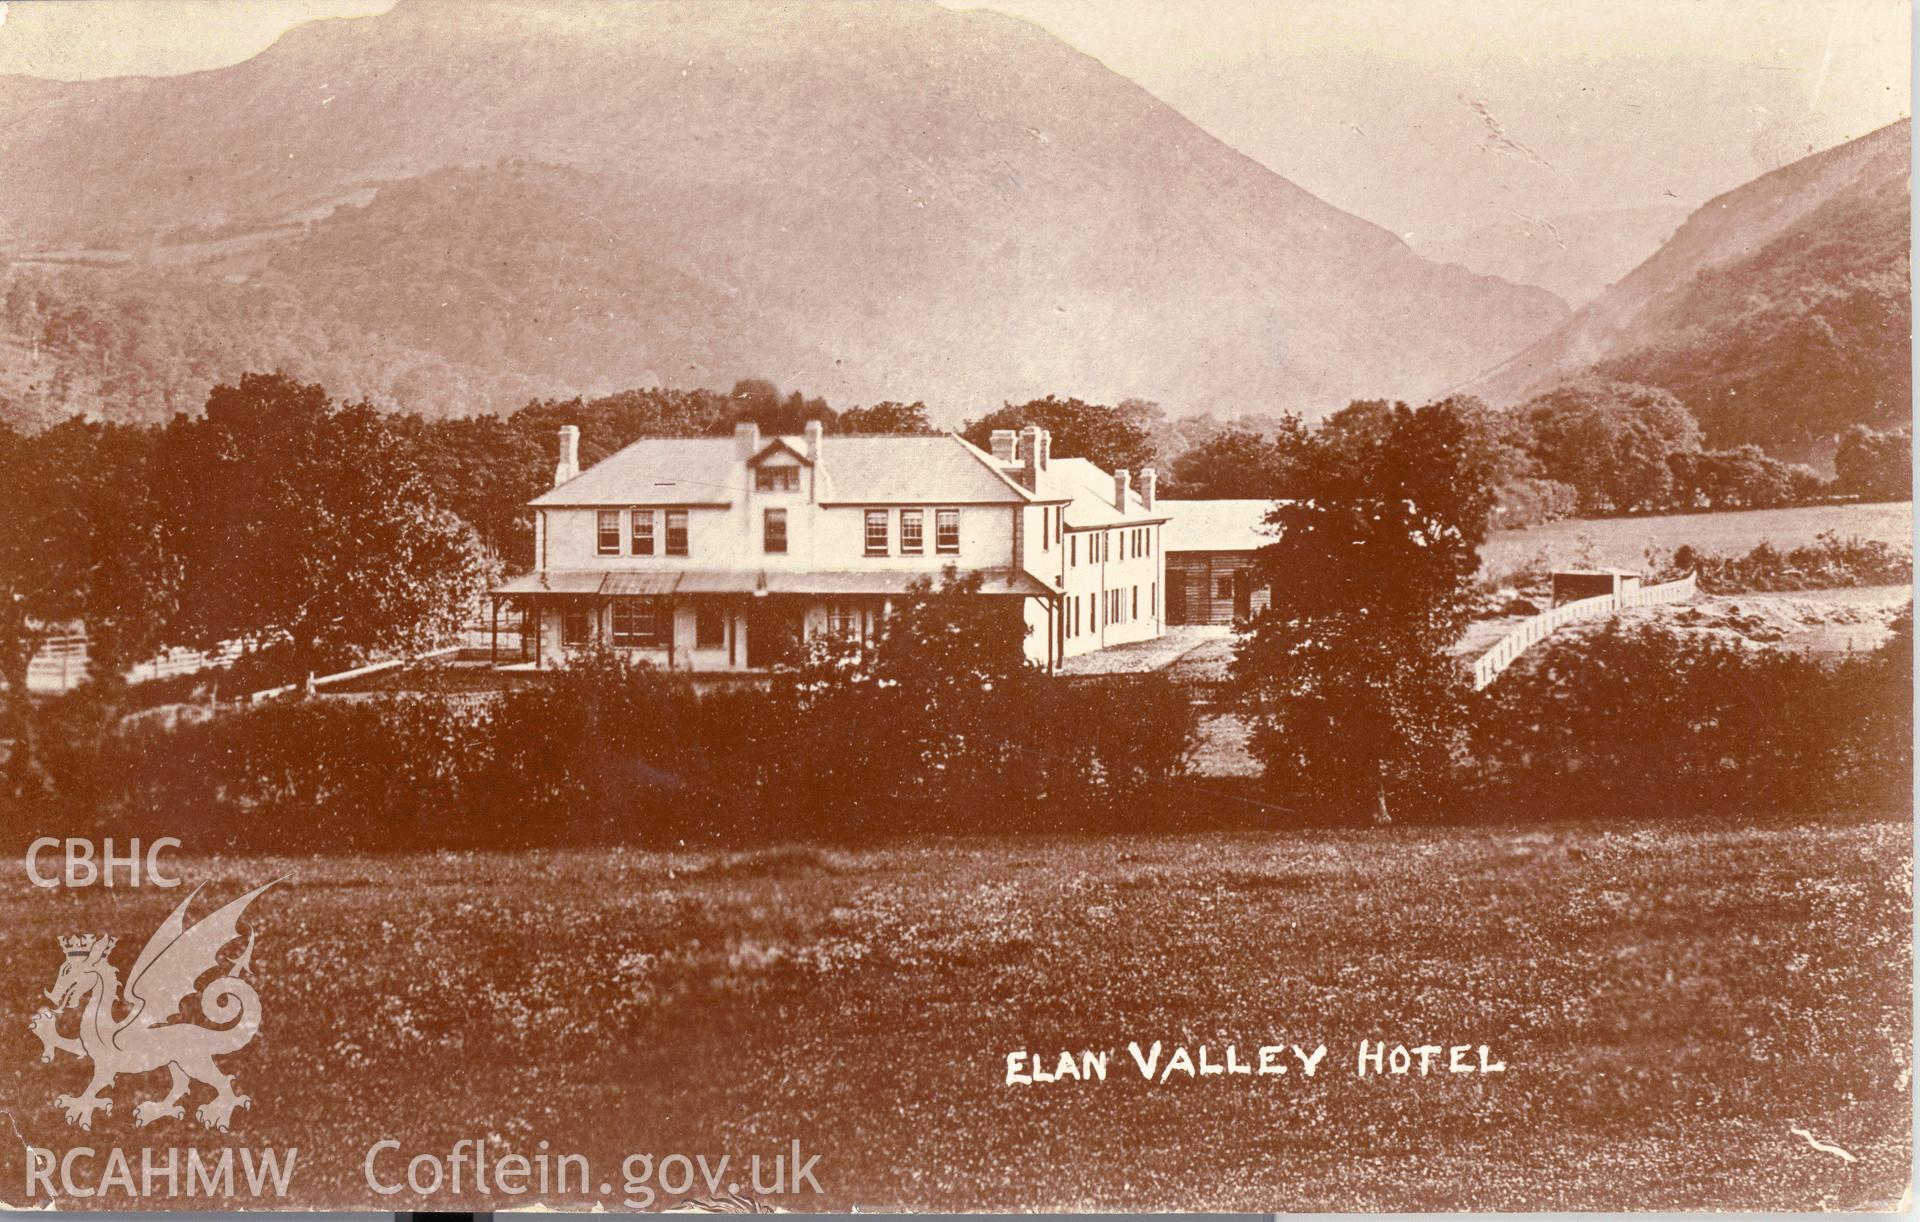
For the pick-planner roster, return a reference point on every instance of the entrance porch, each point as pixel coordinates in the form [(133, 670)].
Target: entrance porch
[(704, 621)]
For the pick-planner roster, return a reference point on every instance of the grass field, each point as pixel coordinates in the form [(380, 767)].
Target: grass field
[(1622, 542), (1669, 1001)]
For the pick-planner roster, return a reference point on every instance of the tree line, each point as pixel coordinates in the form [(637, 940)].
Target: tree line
[(321, 532), (1592, 448), (1357, 707), (282, 508)]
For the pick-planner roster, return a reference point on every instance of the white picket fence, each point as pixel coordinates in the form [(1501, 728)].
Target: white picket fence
[(61, 662), (1507, 651)]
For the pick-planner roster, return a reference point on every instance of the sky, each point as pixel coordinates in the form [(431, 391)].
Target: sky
[(1431, 117)]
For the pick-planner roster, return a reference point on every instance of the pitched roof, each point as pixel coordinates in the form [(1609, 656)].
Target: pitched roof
[(776, 447), (912, 468), (854, 469), (657, 471), (1088, 492), (1215, 526)]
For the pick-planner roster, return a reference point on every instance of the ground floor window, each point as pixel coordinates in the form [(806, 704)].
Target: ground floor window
[(709, 628), (843, 622), (576, 627), (640, 623)]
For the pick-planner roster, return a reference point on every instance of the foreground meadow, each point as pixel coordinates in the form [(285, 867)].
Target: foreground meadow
[(1670, 1001)]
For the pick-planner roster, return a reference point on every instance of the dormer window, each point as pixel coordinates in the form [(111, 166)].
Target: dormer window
[(776, 479)]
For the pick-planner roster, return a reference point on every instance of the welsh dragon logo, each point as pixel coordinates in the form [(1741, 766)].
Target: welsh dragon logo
[(145, 1037)]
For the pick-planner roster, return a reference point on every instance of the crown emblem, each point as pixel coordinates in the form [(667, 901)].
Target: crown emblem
[(78, 944)]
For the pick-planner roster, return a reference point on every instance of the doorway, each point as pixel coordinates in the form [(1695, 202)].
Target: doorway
[(774, 632)]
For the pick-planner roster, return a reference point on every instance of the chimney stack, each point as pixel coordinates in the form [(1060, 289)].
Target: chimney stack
[(746, 440), (1147, 478), (1122, 484), (1046, 448), (1002, 446), (1030, 458), (569, 464), (814, 431)]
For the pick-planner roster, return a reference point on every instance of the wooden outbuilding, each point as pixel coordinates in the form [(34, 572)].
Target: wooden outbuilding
[(1210, 560)]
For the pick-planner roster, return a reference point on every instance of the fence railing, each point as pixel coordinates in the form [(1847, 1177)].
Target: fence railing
[(1505, 652), (61, 662), (315, 682), (1672, 592)]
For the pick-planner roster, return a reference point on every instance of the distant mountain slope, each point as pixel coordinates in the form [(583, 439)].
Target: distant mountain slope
[(1575, 257), (1779, 312), (868, 200)]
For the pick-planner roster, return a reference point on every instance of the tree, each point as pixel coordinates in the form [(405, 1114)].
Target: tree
[(1346, 676), (79, 550), (1611, 442), (1500, 445), (925, 703), (486, 469), (1875, 466), (1238, 463), (1745, 477), (888, 417), (1361, 420), (949, 638), (290, 513), (759, 401), (1808, 485), (1092, 431)]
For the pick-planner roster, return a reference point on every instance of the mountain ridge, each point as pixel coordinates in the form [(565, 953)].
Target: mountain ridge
[(1575, 256), (922, 202), (1634, 327)]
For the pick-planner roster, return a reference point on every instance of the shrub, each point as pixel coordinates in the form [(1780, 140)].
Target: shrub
[(608, 752), (1826, 563), (1521, 503), (1647, 720)]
